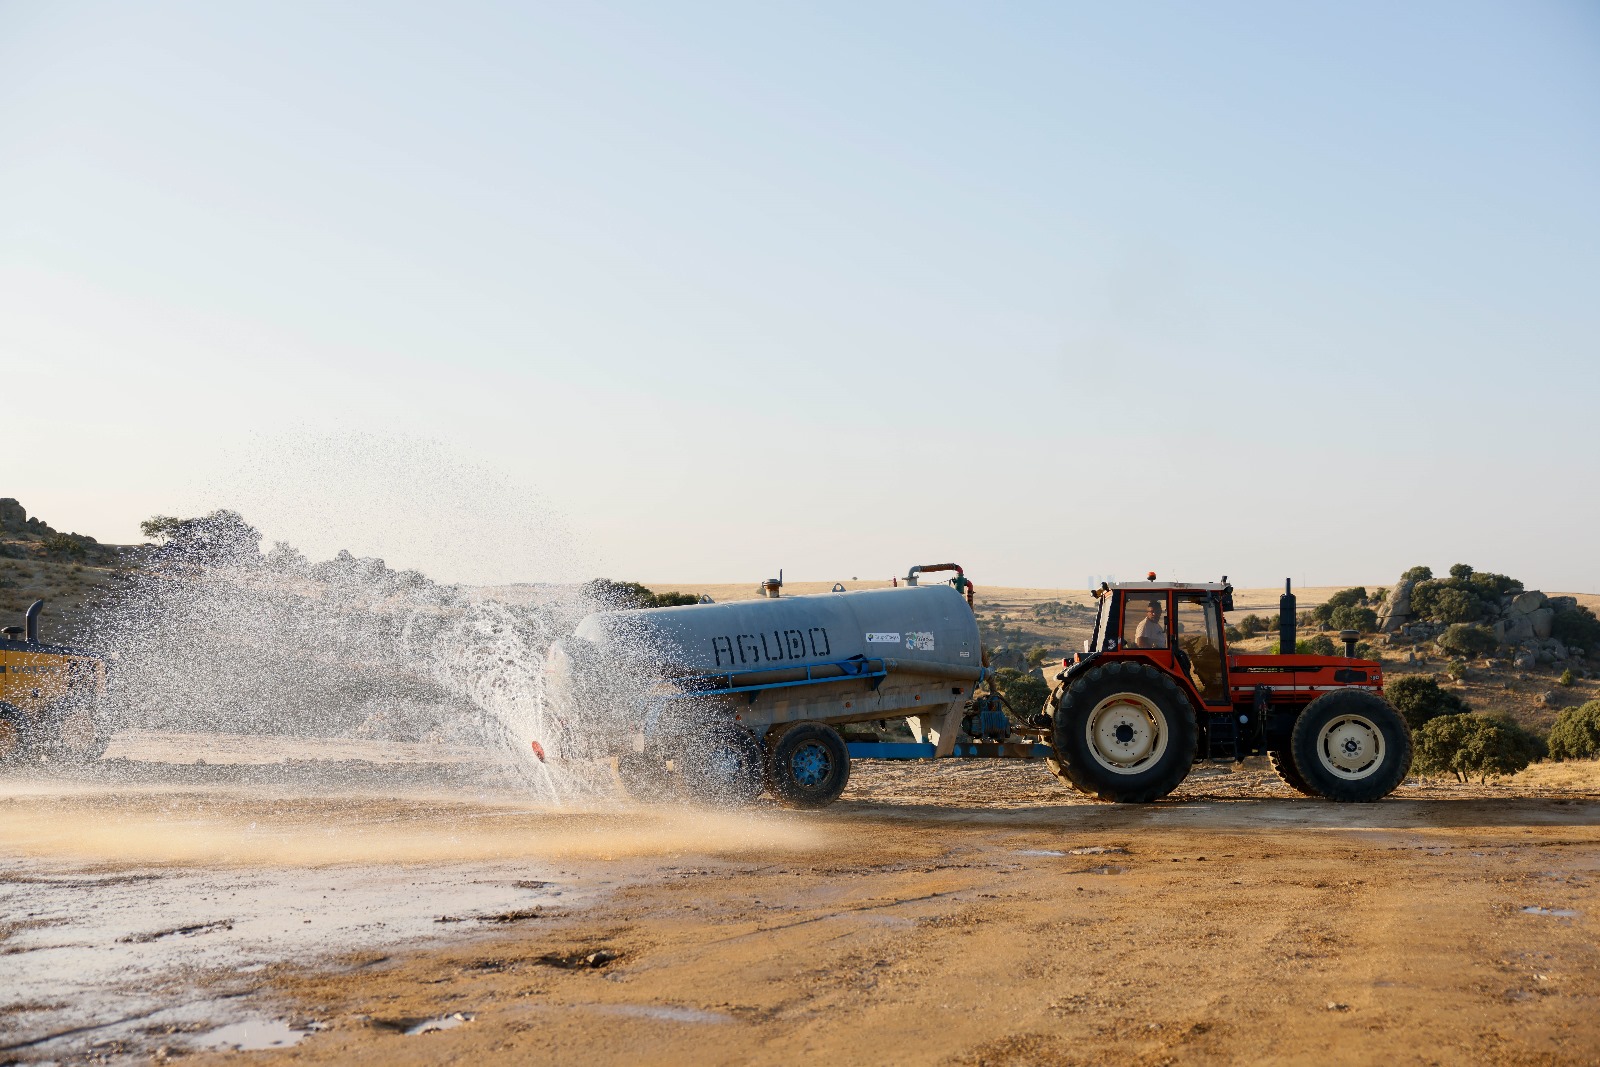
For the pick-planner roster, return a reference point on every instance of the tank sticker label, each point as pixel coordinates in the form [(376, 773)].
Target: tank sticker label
[(921, 641), (883, 639)]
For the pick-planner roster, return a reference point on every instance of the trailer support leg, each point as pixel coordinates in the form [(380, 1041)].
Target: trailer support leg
[(939, 728)]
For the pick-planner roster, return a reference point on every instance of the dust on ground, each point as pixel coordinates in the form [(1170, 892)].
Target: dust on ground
[(960, 912)]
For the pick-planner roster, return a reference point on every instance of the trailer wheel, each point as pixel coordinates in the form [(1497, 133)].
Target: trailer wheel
[(1283, 765), (1351, 746), (720, 764), (809, 766), (1124, 732), (644, 778)]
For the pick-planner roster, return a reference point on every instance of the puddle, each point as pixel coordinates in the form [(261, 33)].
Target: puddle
[(443, 1022), (1098, 850), (1559, 913), (668, 1014), (1107, 869), (1038, 852), (252, 1035)]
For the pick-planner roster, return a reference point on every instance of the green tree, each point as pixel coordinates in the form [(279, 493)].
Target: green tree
[(1417, 574), (1469, 746), (1577, 626), (1354, 617), (1445, 602), (1460, 570), (623, 596), (1037, 655), (1468, 639), (1576, 733), (1419, 699), (1251, 625), (222, 537)]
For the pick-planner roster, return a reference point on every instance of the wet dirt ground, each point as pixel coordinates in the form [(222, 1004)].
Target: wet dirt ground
[(346, 907)]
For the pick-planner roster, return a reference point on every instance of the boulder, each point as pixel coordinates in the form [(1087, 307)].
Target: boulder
[(1514, 630), (13, 516), (1544, 621), (1525, 659), (1396, 607), (1563, 603), (1529, 602)]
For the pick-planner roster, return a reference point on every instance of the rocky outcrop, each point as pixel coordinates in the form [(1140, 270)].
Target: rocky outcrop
[(1396, 607)]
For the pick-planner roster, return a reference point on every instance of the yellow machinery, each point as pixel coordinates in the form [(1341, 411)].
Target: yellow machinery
[(49, 697)]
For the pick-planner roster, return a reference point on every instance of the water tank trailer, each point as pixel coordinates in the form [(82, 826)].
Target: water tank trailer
[(725, 700)]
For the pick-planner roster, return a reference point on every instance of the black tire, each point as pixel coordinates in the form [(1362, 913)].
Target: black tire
[(1139, 757), (643, 777), (1351, 746), (77, 734), (719, 764), (1283, 765), (17, 742), (809, 766)]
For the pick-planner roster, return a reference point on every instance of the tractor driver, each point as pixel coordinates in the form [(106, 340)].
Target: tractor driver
[(1152, 632)]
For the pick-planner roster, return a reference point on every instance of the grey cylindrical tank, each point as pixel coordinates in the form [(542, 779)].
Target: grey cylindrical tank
[(913, 626)]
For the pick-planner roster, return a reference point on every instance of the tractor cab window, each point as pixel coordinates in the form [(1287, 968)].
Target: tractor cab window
[(1144, 621), (1199, 637)]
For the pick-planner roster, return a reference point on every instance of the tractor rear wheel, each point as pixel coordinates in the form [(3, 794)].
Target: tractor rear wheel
[(1124, 732), (809, 766), (1283, 764), (1351, 746)]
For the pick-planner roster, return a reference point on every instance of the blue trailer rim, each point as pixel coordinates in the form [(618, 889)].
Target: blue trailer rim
[(811, 764)]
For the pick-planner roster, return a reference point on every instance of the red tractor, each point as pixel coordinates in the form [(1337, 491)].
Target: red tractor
[(1156, 688)]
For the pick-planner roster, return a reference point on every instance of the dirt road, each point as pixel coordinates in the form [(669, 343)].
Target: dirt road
[(956, 913)]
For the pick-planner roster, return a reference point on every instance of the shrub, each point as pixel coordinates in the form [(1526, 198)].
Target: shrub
[(1576, 734), (1567, 678), (1419, 700), (673, 599), (1025, 692), (1460, 570), (1251, 625), (1320, 645), (61, 544), (1577, 627), (1037, 655), (1354, 617), (1417, 574), (1233, 633), (1474, 745), (1468, 639), (1364, 651)]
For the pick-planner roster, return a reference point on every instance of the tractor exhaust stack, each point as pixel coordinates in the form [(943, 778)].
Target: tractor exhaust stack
[(30, 622), (1286, 621)]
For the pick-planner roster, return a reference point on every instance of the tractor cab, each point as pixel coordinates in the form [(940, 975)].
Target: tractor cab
[(1176, 625)]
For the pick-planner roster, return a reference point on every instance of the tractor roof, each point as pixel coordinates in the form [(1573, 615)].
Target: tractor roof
[(1204, 587)]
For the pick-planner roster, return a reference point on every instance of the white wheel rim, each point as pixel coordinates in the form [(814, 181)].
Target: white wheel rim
[(1350, 747), (1126, 734)]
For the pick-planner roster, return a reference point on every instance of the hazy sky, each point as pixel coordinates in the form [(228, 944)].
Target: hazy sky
[(689, 291)]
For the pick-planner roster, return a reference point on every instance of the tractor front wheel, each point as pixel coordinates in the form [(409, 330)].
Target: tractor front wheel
[(1351, 746), (1124, 732)]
